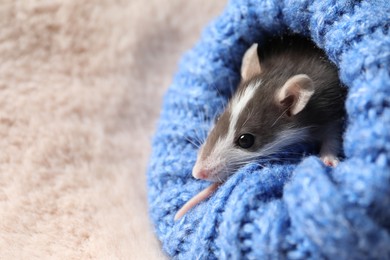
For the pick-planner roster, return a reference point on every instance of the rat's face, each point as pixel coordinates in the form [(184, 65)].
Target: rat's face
[(242, 133), (260, 120)]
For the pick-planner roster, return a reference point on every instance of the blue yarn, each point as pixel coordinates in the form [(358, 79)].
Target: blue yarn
[(273, 209)]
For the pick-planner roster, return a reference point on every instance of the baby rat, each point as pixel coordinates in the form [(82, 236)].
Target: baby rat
[(289, 93)]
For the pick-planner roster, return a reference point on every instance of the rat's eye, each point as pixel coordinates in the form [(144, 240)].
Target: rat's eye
[(246, 141)]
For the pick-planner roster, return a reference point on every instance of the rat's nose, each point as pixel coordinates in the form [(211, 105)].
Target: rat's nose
[(201, 174)]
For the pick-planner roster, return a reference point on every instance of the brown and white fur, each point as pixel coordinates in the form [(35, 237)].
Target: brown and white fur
[(289, 95)]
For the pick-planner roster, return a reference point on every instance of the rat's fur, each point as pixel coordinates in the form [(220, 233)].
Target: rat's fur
[(273, 122)]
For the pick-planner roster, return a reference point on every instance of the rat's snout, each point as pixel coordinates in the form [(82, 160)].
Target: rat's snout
[(199, 171), (207, 169), (201, 174)]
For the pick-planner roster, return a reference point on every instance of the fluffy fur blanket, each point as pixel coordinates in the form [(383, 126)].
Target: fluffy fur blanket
[(283, 210), (80, 88)]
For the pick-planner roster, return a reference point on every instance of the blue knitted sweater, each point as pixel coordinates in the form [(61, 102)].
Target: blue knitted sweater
[(288, 209)]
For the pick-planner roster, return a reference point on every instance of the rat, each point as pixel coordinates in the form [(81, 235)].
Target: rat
[(289, 93)]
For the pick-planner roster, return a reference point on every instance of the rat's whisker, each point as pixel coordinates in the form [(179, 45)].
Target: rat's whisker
[(277, 119), (192, 142)]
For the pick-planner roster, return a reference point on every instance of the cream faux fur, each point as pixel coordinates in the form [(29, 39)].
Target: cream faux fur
[(80, 90)]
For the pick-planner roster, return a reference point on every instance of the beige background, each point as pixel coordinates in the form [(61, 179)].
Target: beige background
[(80, 90)]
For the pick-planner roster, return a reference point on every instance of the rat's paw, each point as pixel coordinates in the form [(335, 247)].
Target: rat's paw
[(330, 160)]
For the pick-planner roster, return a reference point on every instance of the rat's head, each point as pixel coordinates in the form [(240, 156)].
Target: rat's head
[(258, 121)]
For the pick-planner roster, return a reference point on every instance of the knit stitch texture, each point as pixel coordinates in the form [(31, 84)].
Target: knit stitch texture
[(280, 209)]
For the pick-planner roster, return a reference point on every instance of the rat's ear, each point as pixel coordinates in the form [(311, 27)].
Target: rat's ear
[(295, 93), (250, 63)]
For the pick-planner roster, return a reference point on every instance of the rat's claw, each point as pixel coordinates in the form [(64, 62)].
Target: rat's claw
[(330, 160)]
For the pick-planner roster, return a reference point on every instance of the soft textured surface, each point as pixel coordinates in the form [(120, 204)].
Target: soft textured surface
[(280, 210), (80, 90)]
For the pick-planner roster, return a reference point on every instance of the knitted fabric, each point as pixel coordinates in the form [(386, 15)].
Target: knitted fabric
[(283, 208)]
